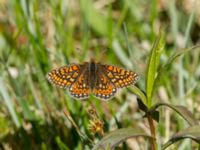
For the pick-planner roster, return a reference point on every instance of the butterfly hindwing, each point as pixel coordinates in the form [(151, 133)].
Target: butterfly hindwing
[(103, 89), (80, 89)]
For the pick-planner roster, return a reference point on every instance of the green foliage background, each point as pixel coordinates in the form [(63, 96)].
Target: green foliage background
[(37, 36)]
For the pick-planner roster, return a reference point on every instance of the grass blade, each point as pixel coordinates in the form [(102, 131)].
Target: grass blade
[(9, 104), (121, 54), (191, 132), (94, 18), (181, 110), (153, 65)]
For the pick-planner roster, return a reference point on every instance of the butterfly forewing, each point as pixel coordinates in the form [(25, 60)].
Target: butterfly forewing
[(104, 88), (120, 77), (80, 89), (63, 77)]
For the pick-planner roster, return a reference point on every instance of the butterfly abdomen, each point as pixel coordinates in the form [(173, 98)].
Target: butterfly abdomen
[(92, 74)]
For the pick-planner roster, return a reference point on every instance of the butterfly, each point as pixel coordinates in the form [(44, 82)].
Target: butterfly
[(90, 77)]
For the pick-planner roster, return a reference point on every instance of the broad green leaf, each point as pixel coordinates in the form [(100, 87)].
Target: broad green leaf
[(114, 138), (181, 110), (96, 20), (191, 132), (153, 65)]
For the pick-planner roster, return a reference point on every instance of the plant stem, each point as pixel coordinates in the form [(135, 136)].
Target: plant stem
[(152, 129)]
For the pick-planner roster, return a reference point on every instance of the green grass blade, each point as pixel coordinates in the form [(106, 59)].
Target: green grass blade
[(192, 133), (181, 63), (174, 18), (94, 18), (9, 103), (181, 110), (121, 54), (189, 25), (153, 65), (60, 143), (177, 54)]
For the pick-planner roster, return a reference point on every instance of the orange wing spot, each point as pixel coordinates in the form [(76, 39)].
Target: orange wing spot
[(125, 80), (110, 68), (62, 71), (118, 70), (122, 72), (70, 69), (110, 88), (80, 80), (94, 91), (65, 69), (86, 91), (74, 67), (110, 75), (114, 69), (78, 91), (75, 75), (103, 92)]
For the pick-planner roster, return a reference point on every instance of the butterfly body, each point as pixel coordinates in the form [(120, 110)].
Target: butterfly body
[(92, 68), (91, 77)]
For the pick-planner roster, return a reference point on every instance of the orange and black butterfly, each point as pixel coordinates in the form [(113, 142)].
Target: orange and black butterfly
[(90, 77)]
